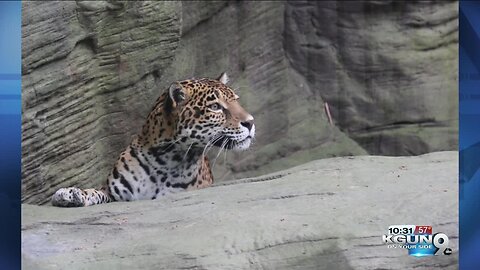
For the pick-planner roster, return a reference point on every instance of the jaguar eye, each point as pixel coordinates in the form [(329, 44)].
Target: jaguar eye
[(215, 107)]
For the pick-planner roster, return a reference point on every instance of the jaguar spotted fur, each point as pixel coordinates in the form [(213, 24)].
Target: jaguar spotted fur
[(168, 155)]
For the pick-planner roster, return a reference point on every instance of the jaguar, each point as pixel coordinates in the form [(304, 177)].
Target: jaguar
[(169, 154)]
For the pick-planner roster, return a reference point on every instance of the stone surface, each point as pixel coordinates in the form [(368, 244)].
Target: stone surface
[(326, 214), (91, 71), (89, 78)]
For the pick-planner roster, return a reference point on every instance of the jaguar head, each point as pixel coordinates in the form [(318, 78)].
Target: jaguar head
[(209, 113)]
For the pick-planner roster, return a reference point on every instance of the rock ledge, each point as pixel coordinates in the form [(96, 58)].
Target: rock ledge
[(326, 214)]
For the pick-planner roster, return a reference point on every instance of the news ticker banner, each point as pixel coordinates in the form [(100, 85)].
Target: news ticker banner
[(10, 134)]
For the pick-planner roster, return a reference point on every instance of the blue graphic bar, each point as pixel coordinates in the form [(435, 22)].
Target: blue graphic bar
[(469, 137), (10, 134)]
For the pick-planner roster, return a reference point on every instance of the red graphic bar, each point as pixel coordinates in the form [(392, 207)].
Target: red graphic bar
[(423, 229)]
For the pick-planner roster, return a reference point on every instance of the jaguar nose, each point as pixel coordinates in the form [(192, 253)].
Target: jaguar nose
[(248, 124)]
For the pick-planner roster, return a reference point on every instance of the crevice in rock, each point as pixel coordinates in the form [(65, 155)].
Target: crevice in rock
[(422, 23), (439, 45), (292, 243), (89, 42), (251, 180), (289, 196), (400, 124)]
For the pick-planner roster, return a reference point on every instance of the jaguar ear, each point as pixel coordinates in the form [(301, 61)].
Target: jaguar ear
[(177, 94), (223, 78)]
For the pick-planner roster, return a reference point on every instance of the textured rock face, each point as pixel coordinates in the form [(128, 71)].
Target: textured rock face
[(327, 214), (89, 79), (93, 69)]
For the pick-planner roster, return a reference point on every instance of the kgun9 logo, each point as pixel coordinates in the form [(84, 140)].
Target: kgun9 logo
[(419, 240), (439, 241)]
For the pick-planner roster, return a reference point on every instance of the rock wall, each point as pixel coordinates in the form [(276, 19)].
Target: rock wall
[(91, 71)]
